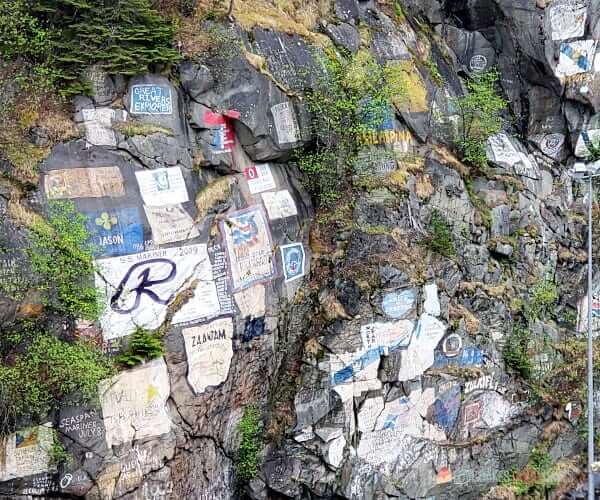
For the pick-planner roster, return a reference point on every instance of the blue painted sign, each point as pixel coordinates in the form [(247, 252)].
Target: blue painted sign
[(469, 356), (376, 114), (293, 258), (151, 99), (115, 232), (446, 407), (397, 305)]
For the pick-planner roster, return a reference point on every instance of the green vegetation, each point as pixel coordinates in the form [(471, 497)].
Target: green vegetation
[(480, 116), (434, 72), (516, 352), (440, 238), (143, 346), (58, 452), (351, 98), (542, 301), (132, 128), (535, 478), (248, 453), (43, 373), (62, 260), (60, 38)]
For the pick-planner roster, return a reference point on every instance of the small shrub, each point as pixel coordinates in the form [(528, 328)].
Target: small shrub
[(434, 72), (516, 355), (542, 301), (440, 238), (352, 97), (58, 453), (47, 373), (143, 346), (62, 260), (480, 116), (249, 429)]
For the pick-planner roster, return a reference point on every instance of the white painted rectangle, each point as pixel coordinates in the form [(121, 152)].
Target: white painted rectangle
[(279, 204), (285, 123), (170, 223), (259, 178), (162, 186)]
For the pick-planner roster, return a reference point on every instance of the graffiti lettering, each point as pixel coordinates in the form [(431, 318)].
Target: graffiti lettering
[(144, 286)]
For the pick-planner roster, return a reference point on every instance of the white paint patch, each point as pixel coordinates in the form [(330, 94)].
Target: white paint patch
[(209, 351), (162, 186), (418, 357), (389, 446), (432, 302), (26, 452), (138, 288), (279, 204), (368, 414), (502, 150), (259, 178), (496, 411), (134, 403), (567, 19), (285, 123), (251, 301), (98, 126), (335, 451), (170, 223)]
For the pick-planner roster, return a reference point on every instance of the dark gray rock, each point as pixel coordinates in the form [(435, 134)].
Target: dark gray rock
[(343, 35)]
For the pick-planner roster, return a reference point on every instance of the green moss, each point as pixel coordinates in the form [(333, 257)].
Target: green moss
[(434, 72), (249, 450), (516, 352), (542, 301), (131, 128)]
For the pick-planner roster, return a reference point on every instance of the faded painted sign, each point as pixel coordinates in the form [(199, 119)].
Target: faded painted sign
[(134, 403), (472, 413), (26, 452), (248, 242), (478, 63), (95, 182), (115, 232), (151, 99), (419, 356), (358, 370), (209, 351), (575, 57), (98, 126), (286, 125), (376, 114), (138, 288), (567, 18), (399, 305), (452, 345), (293, 259), (219, 270), (259, 178), (162, 186), (446, 407), (251, 301), (170, 223), (279, 204), (391, 445), (387, 336), (432, 303)]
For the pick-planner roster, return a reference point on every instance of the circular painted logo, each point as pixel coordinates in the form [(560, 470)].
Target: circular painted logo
[(478, 63), (551, 143), (452, 345)]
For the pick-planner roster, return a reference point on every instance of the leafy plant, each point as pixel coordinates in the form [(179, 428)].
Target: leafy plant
[(62, 260), (58, 453), (542, 301), (249, 429), (434, 72), (440, 238), (480, 116), (48, 372), (143, 346), (516, 355), (350, 98)]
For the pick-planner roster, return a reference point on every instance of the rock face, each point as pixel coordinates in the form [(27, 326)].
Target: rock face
[(378, 366)]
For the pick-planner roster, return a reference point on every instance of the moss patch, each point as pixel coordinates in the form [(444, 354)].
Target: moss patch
[(216, 192), (409, 90), (130, 129)]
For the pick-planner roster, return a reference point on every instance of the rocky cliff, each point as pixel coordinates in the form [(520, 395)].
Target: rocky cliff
[(401, 325)]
